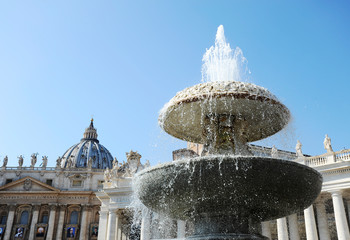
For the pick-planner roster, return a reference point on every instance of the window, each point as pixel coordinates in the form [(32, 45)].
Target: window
[(49, 182), (8, 180), (77, 183), (24, 217), (45, 217), (3, 218), (74, 217)]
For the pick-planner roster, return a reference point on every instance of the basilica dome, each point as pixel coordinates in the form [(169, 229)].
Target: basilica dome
[(88, 153)]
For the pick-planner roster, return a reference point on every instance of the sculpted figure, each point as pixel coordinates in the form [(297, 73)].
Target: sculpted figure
[(274, 152), (115, 163), (107, 175), (58, 162), (33, 160), (44, 164), (327, 144), (147, 164), (133, 162), (298, 151), (20, 161), (4, 163)]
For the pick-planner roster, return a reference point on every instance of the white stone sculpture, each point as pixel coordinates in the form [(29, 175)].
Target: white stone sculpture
[(107, 175), (33, 160), (89, 164), (58, 162), (298, 150), (327, 144), (20, 161), (44, 163), (4, 163), (147, 164), (274, 152)]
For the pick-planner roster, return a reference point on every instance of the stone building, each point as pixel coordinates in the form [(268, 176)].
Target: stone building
[(327, 219), (55, 202)]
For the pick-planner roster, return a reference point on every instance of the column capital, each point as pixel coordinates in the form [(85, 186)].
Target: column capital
[(337, 192), (53, 206), (63, 207), (12, 207), (36, 207), (86, 207)]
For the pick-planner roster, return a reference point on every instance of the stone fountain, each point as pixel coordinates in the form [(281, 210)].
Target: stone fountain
[(226, 191)]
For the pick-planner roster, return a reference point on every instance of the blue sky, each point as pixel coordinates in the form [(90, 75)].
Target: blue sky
[(121, 61)]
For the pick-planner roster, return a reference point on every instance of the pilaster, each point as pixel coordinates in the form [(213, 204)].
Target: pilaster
[(84, 222), (63, 208), (322, 222), (35, 217), (112, 225), (9, 222), (51, 224)]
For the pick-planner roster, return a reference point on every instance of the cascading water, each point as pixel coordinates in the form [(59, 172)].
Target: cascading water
[(226, 191)]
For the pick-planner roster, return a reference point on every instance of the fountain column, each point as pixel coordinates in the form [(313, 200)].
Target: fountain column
[(340, 216), (265, 229), (322, 221), (146, 227), (181, 229), (310, 223), (293, 227), (282, 230), (112, 225)]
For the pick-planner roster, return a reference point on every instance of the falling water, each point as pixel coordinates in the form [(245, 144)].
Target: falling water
[(222, 63)]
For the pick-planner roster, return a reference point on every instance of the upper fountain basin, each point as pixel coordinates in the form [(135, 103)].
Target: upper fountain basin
[(182, 116), (250, 187)]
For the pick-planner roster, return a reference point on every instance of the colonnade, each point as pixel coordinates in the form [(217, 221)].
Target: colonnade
[(54, 229), (319, 231)]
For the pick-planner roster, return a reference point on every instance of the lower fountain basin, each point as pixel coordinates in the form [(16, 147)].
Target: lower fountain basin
[(242, 189)]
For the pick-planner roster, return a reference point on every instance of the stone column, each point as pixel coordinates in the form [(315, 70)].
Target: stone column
[(322, 221), (282, 230), (310, 223), (35, 217), (84, 223), (146, 227), (112, 225), (61, 222), (9, 223), (51, 224), (102, 226), (181, 229), (293, 227), (340, 217), (265, 229)]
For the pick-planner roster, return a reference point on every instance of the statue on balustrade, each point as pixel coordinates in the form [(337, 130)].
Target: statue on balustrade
[(20, 161), (298, 151), (33, 160), (327, 144), (274, 152), (44, 163), (4, 163), (58, 162)]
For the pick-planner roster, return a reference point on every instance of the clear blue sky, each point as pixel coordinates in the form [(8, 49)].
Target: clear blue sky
[(63, 61)]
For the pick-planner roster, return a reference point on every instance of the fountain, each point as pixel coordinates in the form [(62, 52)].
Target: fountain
[(226, 191)]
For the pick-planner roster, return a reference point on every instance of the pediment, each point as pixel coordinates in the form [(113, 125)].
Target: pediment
[(28, 184)]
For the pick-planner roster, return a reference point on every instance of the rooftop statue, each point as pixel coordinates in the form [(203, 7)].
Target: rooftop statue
[(44, 163), (4, 163), (20, 161), (298, 151), (274, 151), (58, 162), (327, 144), (33, 160)]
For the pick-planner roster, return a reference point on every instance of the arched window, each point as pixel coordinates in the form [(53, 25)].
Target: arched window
[(45, 217), (74, 217), (24, 217)]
